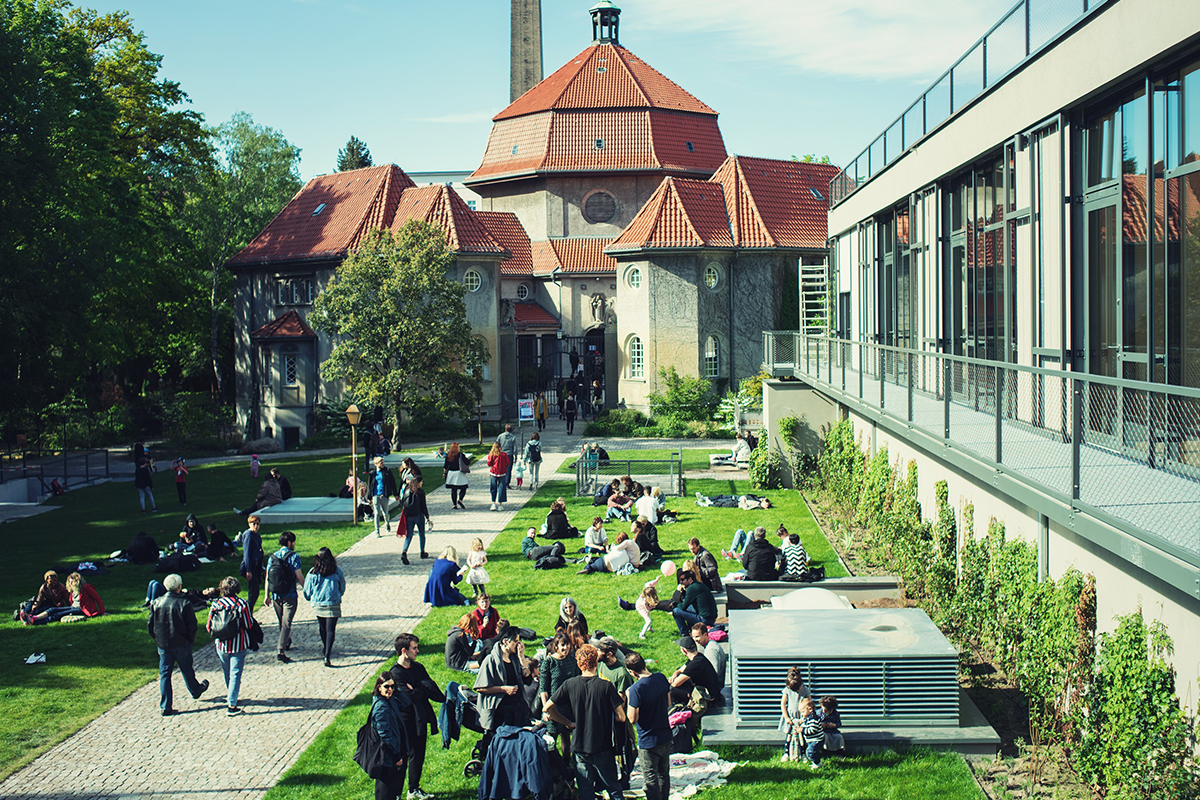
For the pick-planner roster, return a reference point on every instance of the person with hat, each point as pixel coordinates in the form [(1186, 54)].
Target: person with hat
[(696, 672)]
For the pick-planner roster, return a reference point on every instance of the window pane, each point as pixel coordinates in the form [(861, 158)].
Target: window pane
[(712, 358), (637, 365), (1134, 136), (289, 370), (1102, 153), (1190, 78)]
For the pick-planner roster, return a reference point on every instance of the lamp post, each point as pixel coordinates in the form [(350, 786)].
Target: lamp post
[(353, 415)]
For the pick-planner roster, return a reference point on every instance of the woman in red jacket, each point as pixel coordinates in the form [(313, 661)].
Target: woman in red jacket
[(498, 462), (85, 602)]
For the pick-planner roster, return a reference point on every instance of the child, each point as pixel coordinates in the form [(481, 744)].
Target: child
[(519, 469), (595, 541), (477, 574), (646, 601), (254, 466), (485, 616), (812, 732), (794, 692), (831, 720), (181, 473)]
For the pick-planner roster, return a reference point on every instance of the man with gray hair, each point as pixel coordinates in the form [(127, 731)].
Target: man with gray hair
[(172, 624), (760, 559)]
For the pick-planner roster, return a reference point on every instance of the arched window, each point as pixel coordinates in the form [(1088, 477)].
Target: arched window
[(712, 358), (634, 278), (637, 358)]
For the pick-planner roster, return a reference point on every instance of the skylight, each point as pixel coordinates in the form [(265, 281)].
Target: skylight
[(691, 147), (599, 144), (815, 193), (318, 209)]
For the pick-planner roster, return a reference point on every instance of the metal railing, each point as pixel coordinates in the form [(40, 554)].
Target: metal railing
[(1027, 27), (665, 473), (1127, 452), (73, 466)]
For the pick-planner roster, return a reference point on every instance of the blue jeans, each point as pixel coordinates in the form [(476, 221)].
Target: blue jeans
[(656, 769), (232, 665), (685, 619), (512, 459), (616, 513), (739, 537), (417, 524), (499, 489), (143, 493), (814, 749), (597, 771), (167, 659)]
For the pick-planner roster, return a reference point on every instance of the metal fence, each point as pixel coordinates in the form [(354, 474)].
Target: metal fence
[(1126, 451), (1022, 32), (71, 467), (665, 473)]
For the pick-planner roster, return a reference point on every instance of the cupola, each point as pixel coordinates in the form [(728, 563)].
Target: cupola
[(606, 18)]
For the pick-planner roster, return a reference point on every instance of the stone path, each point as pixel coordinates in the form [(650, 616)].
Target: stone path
[(131, 752)]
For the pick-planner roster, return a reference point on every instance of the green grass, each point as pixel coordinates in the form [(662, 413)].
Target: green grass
[(694, 458), (92, 665), (530, 598)]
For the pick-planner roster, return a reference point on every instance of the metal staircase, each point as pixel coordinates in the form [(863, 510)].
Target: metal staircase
[(814, 300)]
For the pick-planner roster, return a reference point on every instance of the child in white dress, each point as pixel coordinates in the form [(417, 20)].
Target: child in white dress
[(477, 574)]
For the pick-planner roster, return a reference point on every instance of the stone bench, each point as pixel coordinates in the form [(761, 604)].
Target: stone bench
[(855, 589)]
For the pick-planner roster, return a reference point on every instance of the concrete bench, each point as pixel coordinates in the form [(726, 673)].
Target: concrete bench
[(855, 589), (422, 460)]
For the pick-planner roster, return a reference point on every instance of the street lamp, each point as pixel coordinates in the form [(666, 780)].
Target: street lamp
[(353, 415)]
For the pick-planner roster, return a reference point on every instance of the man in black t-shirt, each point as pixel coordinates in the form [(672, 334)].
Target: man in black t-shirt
[(697, 672), (586, 705), (414, 680)]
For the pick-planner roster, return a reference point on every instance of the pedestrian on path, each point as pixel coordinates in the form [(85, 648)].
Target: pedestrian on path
[(254, 463), (283, 578), (387, 721), (231, 649), (499, 463), (383, 489), (455, 470), (533, 457), (324, 588), (541, 410), (508, 443), (181, 476), (416, 515), (570, 408), (172, 625), (417, 715), (253, 562), (144, 483)]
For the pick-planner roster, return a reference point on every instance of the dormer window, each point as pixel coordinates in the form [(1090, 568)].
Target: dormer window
[(691, 147), (599, 144)]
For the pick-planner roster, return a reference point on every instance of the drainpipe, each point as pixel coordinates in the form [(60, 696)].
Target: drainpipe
[(732, 373), (1043, 548)]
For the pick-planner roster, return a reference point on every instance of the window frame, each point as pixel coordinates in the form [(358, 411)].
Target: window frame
[(637, 358)]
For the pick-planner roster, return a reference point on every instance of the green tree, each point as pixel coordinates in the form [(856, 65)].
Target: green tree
[(355, 155), (812, 158), (254, 174), (403, 338)]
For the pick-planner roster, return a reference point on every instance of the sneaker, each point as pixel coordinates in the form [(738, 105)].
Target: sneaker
[(284, 658), (170, 712), (233, 711), (784, 757), (624, 604), (811, 765), (404, 559), (203, 689), (493, 507), (237, 510), (26, 618), (419, 794), (424, 554)]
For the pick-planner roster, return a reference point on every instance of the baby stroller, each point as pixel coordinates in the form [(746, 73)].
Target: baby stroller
[(468, 703), (545, 776)]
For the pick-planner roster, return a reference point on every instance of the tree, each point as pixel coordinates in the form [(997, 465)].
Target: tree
[(812, 158), (403, 338), (355, 155), (254, 175)]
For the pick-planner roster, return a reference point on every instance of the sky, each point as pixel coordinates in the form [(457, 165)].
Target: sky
[(420, 81)]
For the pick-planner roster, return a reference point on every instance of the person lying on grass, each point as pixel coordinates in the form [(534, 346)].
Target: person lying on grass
[(84, 602), (746, 502)]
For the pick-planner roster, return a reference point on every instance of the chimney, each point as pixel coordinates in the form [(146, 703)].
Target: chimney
[(526, 53)]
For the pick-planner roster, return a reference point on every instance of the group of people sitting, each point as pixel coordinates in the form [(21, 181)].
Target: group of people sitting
[(274, 490), (624, 498), (55, 602), (210, 542), (763, 561)]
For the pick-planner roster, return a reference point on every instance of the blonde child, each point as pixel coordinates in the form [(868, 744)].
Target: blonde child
[(254, 466), (645, 602), (477, 574), (519, 471), (795, 693)]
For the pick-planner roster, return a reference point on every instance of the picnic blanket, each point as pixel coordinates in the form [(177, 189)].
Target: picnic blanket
[(689, 774)]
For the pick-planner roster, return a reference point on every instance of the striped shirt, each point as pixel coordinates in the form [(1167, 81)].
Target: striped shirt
[(240, 642), (795, 559)]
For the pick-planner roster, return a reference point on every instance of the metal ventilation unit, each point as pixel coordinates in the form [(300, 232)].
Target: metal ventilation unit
[(886, 666)]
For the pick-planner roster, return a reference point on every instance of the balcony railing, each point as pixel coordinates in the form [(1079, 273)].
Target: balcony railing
[(1028, 27), (1126, 452)]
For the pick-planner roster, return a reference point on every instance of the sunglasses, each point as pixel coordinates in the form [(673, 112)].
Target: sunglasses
[(388, 686)]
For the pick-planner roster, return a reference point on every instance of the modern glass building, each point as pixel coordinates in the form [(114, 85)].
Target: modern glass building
[(1015, 281)]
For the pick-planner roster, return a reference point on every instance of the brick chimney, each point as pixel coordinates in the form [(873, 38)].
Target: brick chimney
[(526, 53)]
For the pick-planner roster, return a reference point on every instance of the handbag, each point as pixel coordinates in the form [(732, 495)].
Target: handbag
[(463, 466), (402, 526), (369, 754)]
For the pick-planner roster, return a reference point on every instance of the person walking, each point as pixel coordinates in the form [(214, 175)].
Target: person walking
[(508, 444), (541, 410), (388, 722), (417, 715), (283, 579), (455, 471), (383, 489), (586, 705), (570, 408), (649, 701), (597, 399), (172, 625), (499, 463), (253, 561), (533, 457), (324, 587), (144, 483), (416, 515), (231, 646)]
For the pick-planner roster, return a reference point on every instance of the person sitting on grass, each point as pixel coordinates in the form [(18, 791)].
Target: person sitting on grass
[(460, 643), (83, 601), (193, 538), (606, 491), (696, 605), (485, 616), (51, 594), (568, 612), (595, 540), (646, 536), (624, 552), (557, 526), (439, 588), (619, 506), (219, 545)]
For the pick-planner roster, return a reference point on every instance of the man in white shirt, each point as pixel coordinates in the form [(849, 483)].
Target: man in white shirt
[(647, 507), (711, 650)]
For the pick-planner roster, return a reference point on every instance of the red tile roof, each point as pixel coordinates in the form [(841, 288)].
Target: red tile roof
[(680, 213), (290, 326), (633, 140), (351, 203), (604, 76), (575, 255), (528, 314), (771, 203), (441, 206), (1133, 195), (506, 229)]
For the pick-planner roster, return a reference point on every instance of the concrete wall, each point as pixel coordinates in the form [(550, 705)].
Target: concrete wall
[(1121, 586), (553, 207), (817, 415), (483, 312)]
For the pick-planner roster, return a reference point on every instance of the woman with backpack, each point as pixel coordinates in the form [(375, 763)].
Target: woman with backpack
[(324, 588), (533, 457), (229, 623)]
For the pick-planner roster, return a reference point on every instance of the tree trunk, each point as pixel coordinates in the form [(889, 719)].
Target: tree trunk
[(396, 428)]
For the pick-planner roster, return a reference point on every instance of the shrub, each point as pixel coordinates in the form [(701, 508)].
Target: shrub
[(841, 465), (764, 466), (682, 397), (617, 422)]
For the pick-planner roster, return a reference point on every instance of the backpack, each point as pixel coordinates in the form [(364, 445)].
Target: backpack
[(281, 578), (535, 454), (225, 622)]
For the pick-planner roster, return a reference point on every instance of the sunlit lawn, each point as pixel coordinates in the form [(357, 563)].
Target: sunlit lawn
[(694, 458)]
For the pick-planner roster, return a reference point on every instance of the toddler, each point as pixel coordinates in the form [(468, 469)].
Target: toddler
[(254, 466), (647, 600), (794, 693), (519, 471), (477, 574), (831, 720), (812, 732)]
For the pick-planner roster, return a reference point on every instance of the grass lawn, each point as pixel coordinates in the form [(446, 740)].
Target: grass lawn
[(530, 598), (694, 458), (92, 665)]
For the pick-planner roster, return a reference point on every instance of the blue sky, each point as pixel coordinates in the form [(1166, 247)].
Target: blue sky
[(420, 81)]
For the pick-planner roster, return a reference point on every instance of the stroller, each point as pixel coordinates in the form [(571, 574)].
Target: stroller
[(469, 703), (549, 777)]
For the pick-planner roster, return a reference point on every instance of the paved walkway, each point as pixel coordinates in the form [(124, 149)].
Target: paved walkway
[(131, 752)]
